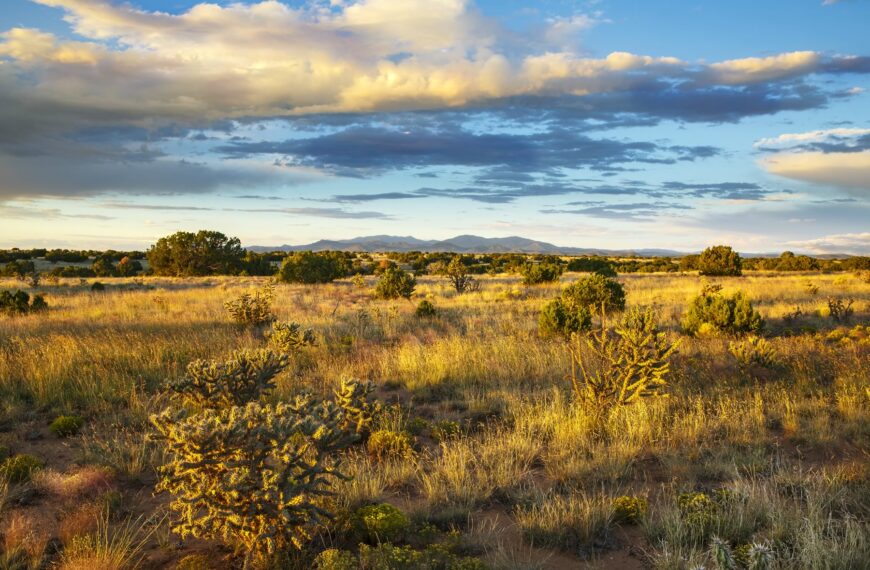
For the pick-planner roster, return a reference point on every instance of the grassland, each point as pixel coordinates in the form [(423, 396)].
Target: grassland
[(505, 466)]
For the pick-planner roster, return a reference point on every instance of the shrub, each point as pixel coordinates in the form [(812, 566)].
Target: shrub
[(595, 292), (630, 362), (574, 523), (839, 310), (395, 283), (537, 273), (425, 309), (388, 557), (253, 310), (335, 559), (202, 253), (66, 426), (19, 467), (235, 382), (309, 267), (715, 312), (20, 303), (97, 287), (387, 444), (719, 260), (629, 509), (382, 523), (458, 275), (559, 318), (289, 338)]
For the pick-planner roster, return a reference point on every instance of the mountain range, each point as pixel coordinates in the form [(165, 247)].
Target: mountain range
[(458, 244)]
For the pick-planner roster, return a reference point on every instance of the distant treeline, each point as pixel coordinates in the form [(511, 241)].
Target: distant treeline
[(213, 253)]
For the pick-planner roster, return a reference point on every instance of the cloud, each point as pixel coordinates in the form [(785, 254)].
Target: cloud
[(373, 197), (336, 213), (270, 59), (849, 170), (637, 211), (853, 243), (828, 140), (358, 150), (13, 212)]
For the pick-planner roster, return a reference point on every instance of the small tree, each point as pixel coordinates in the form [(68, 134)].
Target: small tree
[(537, 273), (310, 267), (458, 275), (395, 283), (719, 260), (20, 303), (631, 361), (202, 253), (714, 312)]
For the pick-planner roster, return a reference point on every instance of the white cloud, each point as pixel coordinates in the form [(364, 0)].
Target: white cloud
[(854, 243), (791, 139), (849, 170)]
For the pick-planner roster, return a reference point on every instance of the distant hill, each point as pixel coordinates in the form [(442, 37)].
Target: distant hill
[(458, 244)]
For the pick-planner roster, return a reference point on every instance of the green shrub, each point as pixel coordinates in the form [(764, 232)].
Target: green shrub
[(719, 260), (714, 312), (66, 426), (381, 523), (309, 267), (388, 444), (252, 310), (435, 557), (395, 283), (457, 273), (97, 287), (629, 362), (335, 559), (629, 509), (559, 318), (425, 309), (20, 303), (19, 468), (4, 451), (537, 273), (596, 292)]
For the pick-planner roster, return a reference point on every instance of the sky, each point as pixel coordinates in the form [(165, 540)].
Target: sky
[(600, 123)]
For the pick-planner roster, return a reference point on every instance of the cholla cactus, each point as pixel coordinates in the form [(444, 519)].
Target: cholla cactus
[(754, 350), (253, 476), (722, 554), (255, 310), (359, 410), (241, 379), (634, 358), (290, 338), (760, 557)]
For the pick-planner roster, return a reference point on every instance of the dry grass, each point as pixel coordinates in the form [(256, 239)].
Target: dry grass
[(525, 446)]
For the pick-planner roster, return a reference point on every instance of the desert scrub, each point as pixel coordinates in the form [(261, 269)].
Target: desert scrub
[(388, 556), (444, 430), (381, 523), (631, 361), (395, 284), (115, 545), (629, 509), (387, 444), (425, 309), (754, 351), (252, 310), (335, 559), (576, 523), (19, 467), (20, 303), (538, 273), (712, 312), (359, 408), (66, 426)]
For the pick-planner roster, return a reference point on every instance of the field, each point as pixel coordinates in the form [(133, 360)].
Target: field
[(504, 465)]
